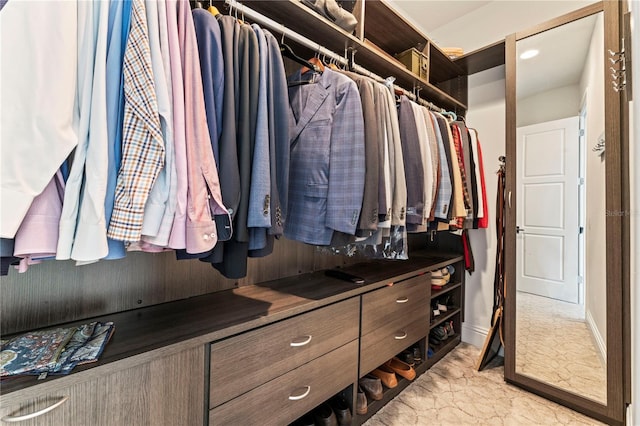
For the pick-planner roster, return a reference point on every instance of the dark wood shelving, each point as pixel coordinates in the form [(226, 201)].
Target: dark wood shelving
[(368, 54), (442, 318), (390, 31), (442, 349), (482, 59), (445, 289)]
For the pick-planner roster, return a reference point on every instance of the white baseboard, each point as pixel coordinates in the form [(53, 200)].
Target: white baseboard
[(474, 334), (597, 337)]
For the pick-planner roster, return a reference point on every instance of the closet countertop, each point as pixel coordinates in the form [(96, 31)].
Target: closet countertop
[(169, 327)]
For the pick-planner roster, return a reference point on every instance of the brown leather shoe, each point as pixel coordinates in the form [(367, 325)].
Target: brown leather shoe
[(401, 368), (361, 401), (386, 375), (372, 387)]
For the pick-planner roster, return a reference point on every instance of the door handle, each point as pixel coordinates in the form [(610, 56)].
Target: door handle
[(519, 230)]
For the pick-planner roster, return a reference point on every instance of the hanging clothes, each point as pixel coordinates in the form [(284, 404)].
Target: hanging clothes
[(414, 171), (46, 34), (118, 34), (278, 126), (327, 158), (82, 224)]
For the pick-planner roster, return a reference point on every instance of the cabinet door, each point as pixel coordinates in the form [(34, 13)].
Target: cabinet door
[(165, 391)]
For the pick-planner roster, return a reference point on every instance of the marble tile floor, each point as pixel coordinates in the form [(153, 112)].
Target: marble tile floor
[(453, 393), (555, 345)]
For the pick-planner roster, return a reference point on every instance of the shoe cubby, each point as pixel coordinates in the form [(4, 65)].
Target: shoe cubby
[(337, 410)]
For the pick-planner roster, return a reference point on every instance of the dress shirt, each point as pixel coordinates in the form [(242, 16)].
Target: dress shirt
[(177, 238), (483, 222), (37, 236), (207, 217), (161, 238), (142, 145), (83, 227), (119, 24), (37, 130), (159, 196)]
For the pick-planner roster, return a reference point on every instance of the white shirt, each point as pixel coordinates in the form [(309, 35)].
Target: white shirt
[(38, 82)]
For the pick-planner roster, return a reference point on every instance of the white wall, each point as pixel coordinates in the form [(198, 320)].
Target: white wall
[(486, 113), (595, 232), (561, 102)]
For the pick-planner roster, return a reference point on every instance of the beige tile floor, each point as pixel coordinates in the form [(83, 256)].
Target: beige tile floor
[(554, 345), (452, 393)]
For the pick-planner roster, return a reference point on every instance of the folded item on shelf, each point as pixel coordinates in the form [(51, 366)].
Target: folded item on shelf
[(452, 52), (53, 351)]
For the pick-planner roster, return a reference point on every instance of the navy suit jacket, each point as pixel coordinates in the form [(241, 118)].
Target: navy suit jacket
[(327, 169)]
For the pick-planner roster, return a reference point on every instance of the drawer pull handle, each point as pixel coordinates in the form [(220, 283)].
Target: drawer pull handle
[(401, 336), (403, 300), (307, 389), (300, 341), (15, 419)]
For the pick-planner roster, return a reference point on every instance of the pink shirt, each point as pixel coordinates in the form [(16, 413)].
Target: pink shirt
[(204, 198), (178, 231)]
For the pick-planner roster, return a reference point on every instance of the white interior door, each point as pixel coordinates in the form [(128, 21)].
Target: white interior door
[(547, 209)]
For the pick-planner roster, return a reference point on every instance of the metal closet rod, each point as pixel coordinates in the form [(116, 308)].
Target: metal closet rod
[(264, 21)]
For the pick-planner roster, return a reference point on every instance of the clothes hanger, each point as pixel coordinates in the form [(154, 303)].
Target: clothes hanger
[(451, 115), (288, 52), (212, 9)]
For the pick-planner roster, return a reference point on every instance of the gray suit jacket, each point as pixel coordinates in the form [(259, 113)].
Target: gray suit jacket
[(413, 169), (327, 158), (368, 221), (259, 218)]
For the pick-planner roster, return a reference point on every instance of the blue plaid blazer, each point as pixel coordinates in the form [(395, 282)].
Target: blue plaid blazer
[(327, 157)]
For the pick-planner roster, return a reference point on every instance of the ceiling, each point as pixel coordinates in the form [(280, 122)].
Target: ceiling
[(472, 25), (563, 52)]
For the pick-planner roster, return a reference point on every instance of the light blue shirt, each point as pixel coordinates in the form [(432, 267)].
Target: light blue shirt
[(119, 22)]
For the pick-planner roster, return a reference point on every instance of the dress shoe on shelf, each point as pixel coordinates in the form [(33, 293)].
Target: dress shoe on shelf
[(372, 387), (306, 420), (341, 410), (325, 416), (386, 375), (361, 401), (417, 353), (331, 10), (440, 333), (401, 368), (407, 356)]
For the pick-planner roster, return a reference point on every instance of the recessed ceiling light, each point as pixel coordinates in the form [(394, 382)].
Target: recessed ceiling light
[(528, 54)]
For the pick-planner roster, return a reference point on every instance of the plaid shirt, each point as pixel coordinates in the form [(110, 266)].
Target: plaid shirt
[(142, 144)]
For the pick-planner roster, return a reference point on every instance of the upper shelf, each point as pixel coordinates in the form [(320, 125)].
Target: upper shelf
[(482, 59), (296, 17)]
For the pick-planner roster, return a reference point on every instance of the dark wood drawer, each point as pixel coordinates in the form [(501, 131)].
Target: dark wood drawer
[(389, 306), (243, 362), (289, 396), (381, 345)]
